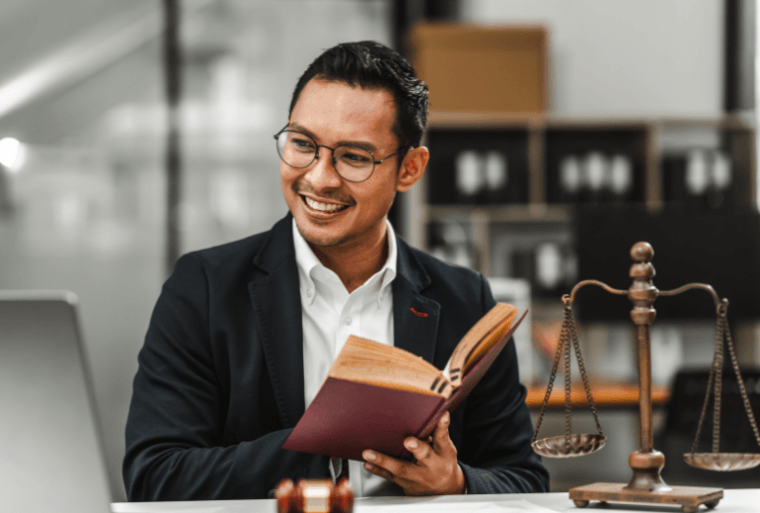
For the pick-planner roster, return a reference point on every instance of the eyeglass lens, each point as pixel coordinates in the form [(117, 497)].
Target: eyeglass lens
[(299, 150)]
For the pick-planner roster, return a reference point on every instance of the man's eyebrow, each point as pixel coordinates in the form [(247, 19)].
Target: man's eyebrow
[(365, 145), (302, 129)]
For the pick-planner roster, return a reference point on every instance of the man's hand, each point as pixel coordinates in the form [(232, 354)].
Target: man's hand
[(434, 471)]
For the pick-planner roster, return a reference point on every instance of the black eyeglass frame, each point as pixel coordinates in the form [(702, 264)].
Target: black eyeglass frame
[(332, 150)]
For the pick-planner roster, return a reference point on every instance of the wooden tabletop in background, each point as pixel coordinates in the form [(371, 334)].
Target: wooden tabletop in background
[(608, 395)]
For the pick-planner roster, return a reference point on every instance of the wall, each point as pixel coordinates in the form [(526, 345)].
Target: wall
[(643, 57)]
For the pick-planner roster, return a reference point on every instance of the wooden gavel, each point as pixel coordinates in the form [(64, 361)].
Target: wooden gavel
[(314, 496)]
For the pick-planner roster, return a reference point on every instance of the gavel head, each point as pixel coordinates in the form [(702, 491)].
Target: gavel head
[(314, 496), (342, 497)]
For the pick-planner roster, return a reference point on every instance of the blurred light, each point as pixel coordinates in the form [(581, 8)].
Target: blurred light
[(80, 58), (69, 210), (85, 55), (12, 153)]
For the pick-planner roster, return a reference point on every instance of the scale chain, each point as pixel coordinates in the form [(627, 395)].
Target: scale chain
[(745, 397), (710, 380), (569, 334), (723, 333), (584, 377), (555, 366), (718, 395)]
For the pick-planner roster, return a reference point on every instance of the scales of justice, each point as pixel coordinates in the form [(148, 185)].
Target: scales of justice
[(646, 484)]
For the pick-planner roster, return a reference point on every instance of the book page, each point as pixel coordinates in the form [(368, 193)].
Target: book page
[(489, 330), (365, 361)]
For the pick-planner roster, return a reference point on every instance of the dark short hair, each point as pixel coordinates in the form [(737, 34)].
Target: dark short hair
[(371, 65)]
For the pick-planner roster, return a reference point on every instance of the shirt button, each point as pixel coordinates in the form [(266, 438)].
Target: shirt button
[(310, 292), (348, 320)]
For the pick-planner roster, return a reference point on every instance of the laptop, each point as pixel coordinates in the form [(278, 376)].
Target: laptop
[(50, 448)]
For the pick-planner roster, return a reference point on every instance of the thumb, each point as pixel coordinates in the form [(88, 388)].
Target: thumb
[(441, 440)]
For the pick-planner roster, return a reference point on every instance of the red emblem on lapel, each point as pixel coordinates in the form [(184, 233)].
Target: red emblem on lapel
[(418, 314)]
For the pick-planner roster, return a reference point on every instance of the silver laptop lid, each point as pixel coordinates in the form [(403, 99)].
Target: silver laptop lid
[(50, 452)]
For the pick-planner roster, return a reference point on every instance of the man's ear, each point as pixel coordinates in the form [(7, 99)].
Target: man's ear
[(412, 168)]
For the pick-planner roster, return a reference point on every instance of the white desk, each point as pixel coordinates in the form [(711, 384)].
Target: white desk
[(734, 501)]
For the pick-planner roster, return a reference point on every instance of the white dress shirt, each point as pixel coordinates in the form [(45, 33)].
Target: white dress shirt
[(330, 314)]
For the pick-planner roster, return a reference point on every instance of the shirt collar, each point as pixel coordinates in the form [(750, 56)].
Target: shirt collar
[(307, 261)]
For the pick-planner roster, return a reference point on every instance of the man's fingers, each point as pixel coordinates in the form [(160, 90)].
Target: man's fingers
[(410, 486), (441, 440), (431, 473), (379, 471), (435, 472), (419, 450), (392, 465)]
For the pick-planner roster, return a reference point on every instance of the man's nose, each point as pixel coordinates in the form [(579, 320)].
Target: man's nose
[(323, 174)]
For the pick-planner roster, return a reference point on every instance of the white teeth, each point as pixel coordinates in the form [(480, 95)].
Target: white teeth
[(323, 207)]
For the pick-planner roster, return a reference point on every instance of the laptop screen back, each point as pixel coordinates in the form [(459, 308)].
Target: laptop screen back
[(50, 454)]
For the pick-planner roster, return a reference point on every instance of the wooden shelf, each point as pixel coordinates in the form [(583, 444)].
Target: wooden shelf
[(534, 142), (606, 396), (438, 119), (539, 213)]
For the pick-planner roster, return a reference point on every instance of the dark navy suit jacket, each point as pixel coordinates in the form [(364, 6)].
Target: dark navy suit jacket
[(220, 381)]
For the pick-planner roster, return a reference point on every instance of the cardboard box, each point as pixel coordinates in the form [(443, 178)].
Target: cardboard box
[(482, 68)]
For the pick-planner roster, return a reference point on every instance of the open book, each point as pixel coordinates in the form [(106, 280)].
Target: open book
[(377, 395)]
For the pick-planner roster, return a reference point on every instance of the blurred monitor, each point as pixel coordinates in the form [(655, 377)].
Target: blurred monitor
[(718, 248), (50, 452)]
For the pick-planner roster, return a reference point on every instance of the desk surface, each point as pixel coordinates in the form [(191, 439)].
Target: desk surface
[(734, 501)]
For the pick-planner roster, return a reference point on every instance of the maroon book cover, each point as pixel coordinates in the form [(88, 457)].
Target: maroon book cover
[(347, 418)]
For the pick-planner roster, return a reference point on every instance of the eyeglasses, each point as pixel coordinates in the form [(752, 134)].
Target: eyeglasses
[(352, 163)]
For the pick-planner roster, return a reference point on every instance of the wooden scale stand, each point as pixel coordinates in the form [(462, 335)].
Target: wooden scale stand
[(646, 485)]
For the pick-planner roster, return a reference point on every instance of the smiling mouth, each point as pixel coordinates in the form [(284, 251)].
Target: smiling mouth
[(327, 208)]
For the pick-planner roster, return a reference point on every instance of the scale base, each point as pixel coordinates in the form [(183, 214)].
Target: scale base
[(688, 497)]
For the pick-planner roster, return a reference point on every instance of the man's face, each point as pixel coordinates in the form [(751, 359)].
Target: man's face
[(330, 211)]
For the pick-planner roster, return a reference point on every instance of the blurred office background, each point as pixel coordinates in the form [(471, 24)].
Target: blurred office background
[(644, 117)]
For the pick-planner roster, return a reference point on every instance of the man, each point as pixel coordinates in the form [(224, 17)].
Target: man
[(243, 334)]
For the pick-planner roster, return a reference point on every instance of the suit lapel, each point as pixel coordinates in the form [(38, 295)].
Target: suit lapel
[(415, 317), (275, 295)]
